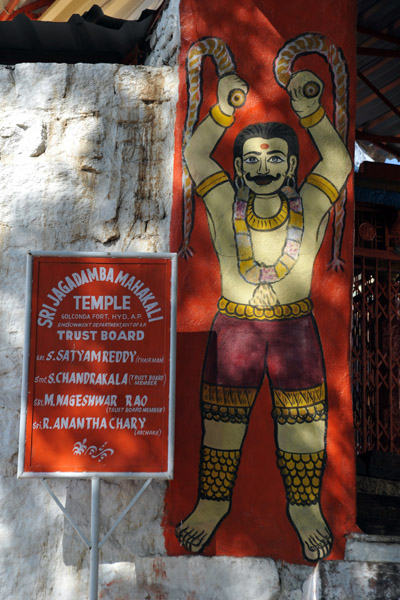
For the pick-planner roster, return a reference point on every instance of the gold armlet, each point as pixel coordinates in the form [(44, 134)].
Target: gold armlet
[(324, 185), (313, 119), (221, 118), (227, 404), (211, 182)]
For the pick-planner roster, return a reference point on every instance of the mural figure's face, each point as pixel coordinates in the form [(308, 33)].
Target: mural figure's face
[(264, 164)]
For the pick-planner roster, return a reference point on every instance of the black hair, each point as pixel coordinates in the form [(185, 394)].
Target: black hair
[(268, 131)]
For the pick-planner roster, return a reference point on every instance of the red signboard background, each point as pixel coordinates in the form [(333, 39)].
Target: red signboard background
[(99, 365)]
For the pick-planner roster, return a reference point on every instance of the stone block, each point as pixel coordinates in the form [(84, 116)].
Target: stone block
[(341, 580), (373, 548)]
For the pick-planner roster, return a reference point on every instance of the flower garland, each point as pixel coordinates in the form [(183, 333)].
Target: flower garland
[(258, 274)]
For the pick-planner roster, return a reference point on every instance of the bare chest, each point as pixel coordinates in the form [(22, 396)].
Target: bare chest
[(267, 246)]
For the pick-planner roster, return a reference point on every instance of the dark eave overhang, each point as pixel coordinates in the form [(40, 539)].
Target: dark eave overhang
[(92, 38)]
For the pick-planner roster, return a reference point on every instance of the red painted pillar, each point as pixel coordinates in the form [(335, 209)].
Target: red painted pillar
[(268, 42)]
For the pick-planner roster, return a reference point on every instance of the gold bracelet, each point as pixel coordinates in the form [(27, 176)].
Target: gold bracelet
[(209, 183), (313, 119), (323, 184), (221, 118)]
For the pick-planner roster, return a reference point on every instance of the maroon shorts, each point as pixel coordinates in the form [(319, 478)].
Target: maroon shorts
[(241, 351)]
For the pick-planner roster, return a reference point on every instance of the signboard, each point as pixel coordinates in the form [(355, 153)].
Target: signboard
[(98, 385)]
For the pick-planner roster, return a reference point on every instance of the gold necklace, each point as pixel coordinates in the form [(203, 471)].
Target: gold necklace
[(258, 274), (267, 223)]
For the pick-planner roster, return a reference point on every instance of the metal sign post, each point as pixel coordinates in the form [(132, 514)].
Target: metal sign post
[(99, 374), (94, 539), (94, 544)]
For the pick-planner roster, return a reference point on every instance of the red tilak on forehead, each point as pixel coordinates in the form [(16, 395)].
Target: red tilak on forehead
[(264, 146)]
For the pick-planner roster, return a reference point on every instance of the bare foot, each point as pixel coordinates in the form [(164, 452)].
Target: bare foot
[(313, 531), (196, 531)]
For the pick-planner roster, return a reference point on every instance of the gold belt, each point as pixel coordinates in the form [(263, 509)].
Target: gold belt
[(268, 313)]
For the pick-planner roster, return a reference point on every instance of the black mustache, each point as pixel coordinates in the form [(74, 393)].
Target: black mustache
[(263, 179)]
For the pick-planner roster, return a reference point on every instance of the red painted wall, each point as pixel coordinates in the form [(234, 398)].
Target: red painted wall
[(257, 524)]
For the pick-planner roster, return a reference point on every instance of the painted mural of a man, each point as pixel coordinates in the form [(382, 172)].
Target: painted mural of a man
[(266, 235)]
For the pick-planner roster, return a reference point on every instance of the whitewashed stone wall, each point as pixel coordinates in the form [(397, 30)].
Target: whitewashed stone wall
[(165, 39), (86, 158)]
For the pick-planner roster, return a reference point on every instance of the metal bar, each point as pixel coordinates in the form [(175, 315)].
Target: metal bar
[(373, 137), (143, 255), (8, 10), (380, 35), (376, 344), (25, 367), (378, 92), (364, 361), (377, 65), (172, 376), (66, 513), (381, 119), (28, 9), (354, 371), (362, 136), (90, 474), (384, 89), (125, 512), (390, 357), (372, 253), (94, 540), (378, 52)]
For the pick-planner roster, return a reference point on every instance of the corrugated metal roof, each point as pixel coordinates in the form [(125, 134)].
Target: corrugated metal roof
[(378, 65)]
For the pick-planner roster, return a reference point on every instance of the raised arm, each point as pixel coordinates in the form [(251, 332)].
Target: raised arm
[(332, 170), (208, 133)]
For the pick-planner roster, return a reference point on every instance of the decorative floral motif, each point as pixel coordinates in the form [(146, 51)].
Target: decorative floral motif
[(81, 448)]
